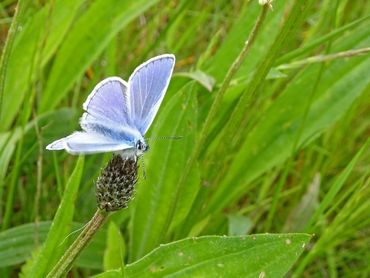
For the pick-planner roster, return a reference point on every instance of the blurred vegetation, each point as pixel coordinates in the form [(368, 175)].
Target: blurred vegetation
[(287, 151)]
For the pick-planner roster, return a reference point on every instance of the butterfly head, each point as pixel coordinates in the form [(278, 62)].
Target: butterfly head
[(141, 147)]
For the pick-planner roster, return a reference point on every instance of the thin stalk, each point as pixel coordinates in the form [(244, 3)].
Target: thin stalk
[(324, 58), (319, 41), (231, 140), (240, 115), (229, 75), (216, 105), (66, 261)]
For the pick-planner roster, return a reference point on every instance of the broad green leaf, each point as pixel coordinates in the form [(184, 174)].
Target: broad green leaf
[(160, 201), (114, 253), (36, 40), (268, 255), (117, 273), (18, 243), (273, 138), (53, 248), (201, 77), (90, 35)]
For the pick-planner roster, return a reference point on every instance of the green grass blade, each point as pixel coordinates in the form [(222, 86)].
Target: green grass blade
[(238, 118), (18, 243), (160, 197), (18, 18), (235, 40), (320, 41), (86, 41), (114, 253), (8, 140), (39, 35), (345, 222), (302, 94), (336, 187), (61, 16), (271, 141), (61, 226)]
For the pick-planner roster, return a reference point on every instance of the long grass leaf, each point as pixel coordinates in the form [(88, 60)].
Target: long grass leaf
[(160, 197), (61, 226), (335, 188), (18, 243), (85, 42), (45, 28), (271, 141), (319, 41)]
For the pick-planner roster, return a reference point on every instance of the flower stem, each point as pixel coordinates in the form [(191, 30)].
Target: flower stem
[(65, 263), (228, 77)]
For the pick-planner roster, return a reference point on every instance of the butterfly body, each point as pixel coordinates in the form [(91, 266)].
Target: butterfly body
[(119, 113)]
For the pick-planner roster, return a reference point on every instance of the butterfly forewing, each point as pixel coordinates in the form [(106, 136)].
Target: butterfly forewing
[(108, 103), (147, 87)]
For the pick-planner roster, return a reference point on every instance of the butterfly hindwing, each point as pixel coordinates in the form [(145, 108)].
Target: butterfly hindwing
[(88, 143)]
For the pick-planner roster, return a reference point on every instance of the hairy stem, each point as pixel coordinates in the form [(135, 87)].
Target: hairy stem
[(65, 263)]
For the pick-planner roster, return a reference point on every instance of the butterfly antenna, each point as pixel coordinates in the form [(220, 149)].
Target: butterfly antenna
[(165, 138)]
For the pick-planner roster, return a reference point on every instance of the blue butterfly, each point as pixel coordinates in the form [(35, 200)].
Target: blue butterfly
[(119, 113)]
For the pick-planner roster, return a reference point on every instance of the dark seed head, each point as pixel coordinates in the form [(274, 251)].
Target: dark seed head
[(115, 185)]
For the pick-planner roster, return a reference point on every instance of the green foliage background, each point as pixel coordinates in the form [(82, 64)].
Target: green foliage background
[(287, 151)]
